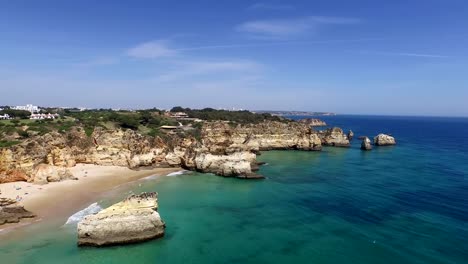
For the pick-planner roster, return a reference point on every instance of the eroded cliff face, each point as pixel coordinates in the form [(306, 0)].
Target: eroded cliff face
[(26, 161), (223, 149), (334, 137), (219, 137)]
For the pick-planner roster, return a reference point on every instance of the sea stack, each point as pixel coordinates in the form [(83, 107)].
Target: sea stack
[(366, 144), (384, 140), (334, 137), (133, 220), (350, 135)]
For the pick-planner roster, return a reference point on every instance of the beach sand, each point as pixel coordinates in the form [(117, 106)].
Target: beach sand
[(62, 199)]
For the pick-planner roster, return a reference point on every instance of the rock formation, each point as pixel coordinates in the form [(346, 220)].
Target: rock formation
[(133, 220), (366, 144), (334, 137), (11, 212), (350, 135), (44, 173), (312, 122), (223, 148), (384, 140), (222, 137)]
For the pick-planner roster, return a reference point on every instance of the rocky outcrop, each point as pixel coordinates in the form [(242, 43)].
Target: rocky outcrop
[(366, 144), (222, 137), (11, 212), (384, 140), (133, 220), (238, 164), (313, 122), (350, 135), (44, 173), (334, 137)]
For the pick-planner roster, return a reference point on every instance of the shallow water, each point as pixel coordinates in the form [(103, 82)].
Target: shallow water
[(401, 204)]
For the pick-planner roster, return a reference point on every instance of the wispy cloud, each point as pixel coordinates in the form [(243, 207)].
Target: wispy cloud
[(270, 6), (409, 54), (285, 28), (151, 50), (275, 43), (99, 61), (184, 69)]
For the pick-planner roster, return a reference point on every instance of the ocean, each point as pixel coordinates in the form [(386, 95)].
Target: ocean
[(400, 204)]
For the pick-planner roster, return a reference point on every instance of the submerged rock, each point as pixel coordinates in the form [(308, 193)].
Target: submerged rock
[(366, 144), (133, 220), (384, 140), (11, 212)]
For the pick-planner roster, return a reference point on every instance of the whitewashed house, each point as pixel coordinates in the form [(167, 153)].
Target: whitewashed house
[(43, 116), (5, 116)]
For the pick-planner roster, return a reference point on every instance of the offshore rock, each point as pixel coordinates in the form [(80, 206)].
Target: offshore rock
[(350, 135), (384, 140), (334, 137), (11, 212), (133, 220), (366, 144)]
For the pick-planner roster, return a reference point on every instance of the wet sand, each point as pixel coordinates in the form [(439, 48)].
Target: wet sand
[(61, 199)]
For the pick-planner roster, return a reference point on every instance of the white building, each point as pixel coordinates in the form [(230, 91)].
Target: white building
[(29, 107), (43, 116), (5, 116), (178, 115)]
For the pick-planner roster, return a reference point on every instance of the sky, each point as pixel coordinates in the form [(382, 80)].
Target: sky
[(399, 57)]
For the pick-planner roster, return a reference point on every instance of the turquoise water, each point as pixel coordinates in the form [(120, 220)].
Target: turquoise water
[(402, 204)]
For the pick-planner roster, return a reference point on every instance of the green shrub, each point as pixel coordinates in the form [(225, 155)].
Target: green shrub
[(6, 144)]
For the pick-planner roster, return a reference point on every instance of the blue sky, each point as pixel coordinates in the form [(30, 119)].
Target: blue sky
[(361, 57)]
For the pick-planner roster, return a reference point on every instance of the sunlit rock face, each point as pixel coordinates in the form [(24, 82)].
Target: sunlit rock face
[(334, 137), (384, 140), (133, 220)]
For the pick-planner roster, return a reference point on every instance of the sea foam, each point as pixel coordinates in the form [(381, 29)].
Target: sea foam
[(76, 217), (177, 173)]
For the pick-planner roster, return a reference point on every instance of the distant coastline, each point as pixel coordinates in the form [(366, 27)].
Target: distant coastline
[(294, 113)]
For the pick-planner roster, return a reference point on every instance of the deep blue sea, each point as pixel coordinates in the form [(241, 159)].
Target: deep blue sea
[(401, 204)]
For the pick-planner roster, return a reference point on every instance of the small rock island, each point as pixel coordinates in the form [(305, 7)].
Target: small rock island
[(384, 140), (133, 220)]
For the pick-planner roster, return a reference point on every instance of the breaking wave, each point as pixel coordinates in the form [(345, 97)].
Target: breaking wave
[(178, 173), (76, 217)]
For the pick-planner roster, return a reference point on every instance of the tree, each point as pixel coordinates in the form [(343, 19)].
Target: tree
[(179, 109), (22, 114)]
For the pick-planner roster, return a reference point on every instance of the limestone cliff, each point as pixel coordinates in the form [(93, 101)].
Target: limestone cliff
[(224, 149), (222, 137)]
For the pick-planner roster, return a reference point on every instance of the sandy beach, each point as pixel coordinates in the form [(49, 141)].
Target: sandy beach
[(62, 199)]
